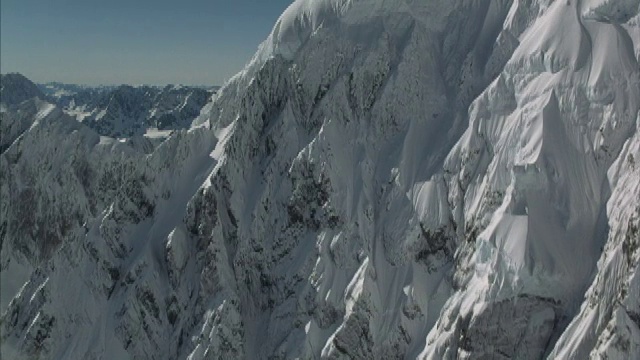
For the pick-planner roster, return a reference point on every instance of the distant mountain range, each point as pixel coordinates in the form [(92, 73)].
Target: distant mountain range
[(125, 110), (59, 90)]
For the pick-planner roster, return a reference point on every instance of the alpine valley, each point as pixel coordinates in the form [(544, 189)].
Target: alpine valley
[(432, 179)]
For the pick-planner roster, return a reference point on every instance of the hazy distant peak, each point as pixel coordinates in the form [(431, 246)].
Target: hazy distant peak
[(16, 88)]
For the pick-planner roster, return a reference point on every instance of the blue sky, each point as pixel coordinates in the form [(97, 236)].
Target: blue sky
[(199, 42)]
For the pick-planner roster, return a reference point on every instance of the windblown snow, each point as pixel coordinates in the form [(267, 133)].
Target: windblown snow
[(385, 179)]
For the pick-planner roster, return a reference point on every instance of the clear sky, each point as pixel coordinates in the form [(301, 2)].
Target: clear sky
[(196, 42)]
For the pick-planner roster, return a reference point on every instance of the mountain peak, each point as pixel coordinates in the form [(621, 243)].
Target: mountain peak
[(16, 88)]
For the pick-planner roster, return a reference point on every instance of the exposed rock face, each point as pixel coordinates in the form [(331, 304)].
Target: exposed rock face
[(385, 179)]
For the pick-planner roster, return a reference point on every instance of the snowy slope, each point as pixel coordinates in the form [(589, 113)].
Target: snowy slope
[(385, 179)]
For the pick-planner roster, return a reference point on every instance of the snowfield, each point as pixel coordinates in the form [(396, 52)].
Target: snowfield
[(385, 179)]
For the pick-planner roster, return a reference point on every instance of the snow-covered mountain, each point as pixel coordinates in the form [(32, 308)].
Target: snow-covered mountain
[(385, 179), (124, 111), (62, 93)]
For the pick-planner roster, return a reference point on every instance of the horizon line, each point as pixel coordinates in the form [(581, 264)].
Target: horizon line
[(85, 85)]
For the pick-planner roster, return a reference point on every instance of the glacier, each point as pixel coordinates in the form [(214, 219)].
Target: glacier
[(385, 179)]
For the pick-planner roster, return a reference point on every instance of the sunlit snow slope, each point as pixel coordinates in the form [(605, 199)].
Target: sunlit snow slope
[(385, 179)]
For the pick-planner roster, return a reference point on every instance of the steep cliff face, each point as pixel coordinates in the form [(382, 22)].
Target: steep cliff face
[(537, 187), (385, 179)]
